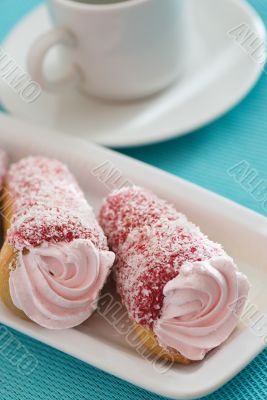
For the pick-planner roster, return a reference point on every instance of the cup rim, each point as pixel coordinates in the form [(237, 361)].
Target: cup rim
[(100, 7)]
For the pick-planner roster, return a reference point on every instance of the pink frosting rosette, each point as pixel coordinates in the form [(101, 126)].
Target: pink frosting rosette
[(202, 306)]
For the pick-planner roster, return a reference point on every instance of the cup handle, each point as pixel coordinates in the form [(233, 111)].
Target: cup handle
[(38, 52)]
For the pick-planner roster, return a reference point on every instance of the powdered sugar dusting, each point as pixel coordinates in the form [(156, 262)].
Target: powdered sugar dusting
[(48, 206), (152, 241)]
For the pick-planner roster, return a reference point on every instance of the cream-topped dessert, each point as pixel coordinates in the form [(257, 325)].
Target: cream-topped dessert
[(55, 259), (181, 289)]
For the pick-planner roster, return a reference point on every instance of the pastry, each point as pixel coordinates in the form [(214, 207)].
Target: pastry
[(3, 166), (55, 258), (183, 292), (3, 171)]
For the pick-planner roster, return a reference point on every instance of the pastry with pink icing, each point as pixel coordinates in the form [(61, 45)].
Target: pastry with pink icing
[(3, 171), (55, 259), (183, 292)]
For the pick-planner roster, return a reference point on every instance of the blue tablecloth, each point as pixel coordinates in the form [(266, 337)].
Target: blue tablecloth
[(202, 157)]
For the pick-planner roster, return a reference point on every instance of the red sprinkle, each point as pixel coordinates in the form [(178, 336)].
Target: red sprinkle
[(152, 241), (48, 206)]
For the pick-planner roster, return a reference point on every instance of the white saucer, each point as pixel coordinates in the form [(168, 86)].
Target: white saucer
[(219, 75)]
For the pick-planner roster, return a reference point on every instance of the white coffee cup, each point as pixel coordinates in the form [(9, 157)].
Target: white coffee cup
[(120, 51)]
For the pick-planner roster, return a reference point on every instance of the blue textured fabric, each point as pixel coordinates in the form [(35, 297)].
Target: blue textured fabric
[(202, 157)]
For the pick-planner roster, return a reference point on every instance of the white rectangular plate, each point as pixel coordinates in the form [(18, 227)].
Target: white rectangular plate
[(242, 232)]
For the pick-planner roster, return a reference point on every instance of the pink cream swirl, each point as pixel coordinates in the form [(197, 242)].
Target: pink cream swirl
[(57, 285), (202, 306)]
